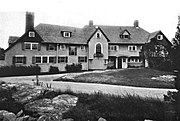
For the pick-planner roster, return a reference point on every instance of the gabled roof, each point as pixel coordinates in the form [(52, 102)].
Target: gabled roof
[(138, 35), (152, 35), (12, 39), (52, 34)]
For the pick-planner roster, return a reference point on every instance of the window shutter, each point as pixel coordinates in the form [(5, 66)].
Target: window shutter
[(47, 47), (33, 60), (24, 60), (23, 46), (86, 59), (39, 46), (66, 59), (13, 60)]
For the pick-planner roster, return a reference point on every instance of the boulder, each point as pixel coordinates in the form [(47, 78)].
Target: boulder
[(7, 116), (24, 118), (48, 117), (102, 119), (55, 106), (69, 119)]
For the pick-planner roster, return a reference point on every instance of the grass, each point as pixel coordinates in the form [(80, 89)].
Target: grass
[(119, 108), (127, 77)]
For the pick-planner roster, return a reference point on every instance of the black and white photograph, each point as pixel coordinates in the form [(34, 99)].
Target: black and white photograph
[(90, 60)]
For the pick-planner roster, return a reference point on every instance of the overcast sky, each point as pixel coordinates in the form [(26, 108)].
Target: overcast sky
[(153, 15)]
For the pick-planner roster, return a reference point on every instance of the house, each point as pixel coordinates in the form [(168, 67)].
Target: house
[(94, 46), (156, 50)]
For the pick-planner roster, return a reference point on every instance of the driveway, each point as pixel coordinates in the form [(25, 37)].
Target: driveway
[(89, 87)]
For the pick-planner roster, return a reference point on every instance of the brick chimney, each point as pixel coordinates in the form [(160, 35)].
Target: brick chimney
[(91, 23), (29, 21), (136, 24)]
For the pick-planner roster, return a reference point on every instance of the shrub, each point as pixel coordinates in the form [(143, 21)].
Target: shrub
[(53, 69), (19, 70), (73, 67)]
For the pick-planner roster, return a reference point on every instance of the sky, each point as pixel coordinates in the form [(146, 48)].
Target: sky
[(153, 15)]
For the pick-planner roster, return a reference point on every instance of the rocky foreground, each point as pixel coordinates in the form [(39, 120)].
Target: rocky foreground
[(23, 102)]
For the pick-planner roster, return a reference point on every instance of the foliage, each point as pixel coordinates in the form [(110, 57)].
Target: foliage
[(118, 108), (73, 67), (53, 69), (19, 70), (2, 56)]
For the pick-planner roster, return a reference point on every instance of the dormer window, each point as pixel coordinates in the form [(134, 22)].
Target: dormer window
[(159, 37), (31, 34), (98, 35), (125, 35), (67, 34)]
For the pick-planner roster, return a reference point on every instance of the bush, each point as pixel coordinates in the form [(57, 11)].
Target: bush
[(19, 70), (118, 108), (73, 67), (53, 69)]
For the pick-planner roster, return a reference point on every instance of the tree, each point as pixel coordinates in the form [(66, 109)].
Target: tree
[(2, 56)]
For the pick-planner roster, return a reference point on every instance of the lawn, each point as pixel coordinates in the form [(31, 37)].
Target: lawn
[(125, 77)]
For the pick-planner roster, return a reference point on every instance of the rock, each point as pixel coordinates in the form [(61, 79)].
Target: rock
[(101, 119), (69, 119), (24, 118), (56, 106), (20, 113), (7, 116), (48, 117)]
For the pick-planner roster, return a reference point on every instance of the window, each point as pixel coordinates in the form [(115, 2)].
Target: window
[(67, 34), (82, 59), (72, 50), (44, 59), (52, 59), (31, 46), (134, 60), (98, 35), (34, 46), (37, 59), (132, 48), (159, 37), (31, 34), (83, 47), (51, 47), (113, 47), (124, 60), (98, 48), (19, 59), (62, 59), (28, 46), (125, 35), (62, 47)]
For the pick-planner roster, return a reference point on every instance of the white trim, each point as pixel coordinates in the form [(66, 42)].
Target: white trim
[(159, 37), (101, 47), (130, 48), (31, 34), (66, 34), (31, 43), (19, 56)]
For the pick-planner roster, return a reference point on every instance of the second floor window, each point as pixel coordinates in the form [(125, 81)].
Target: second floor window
[(98, 48), (31, 34), (66, 34), (72, 50), (19, 59), (31, 46), (132, 48)]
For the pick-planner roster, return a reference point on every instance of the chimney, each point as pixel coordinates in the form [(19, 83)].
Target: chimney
[(29, 21), (178, 20), (136, 24), (91, 23)]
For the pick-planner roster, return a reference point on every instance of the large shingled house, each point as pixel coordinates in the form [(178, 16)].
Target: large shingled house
[(94, 46)]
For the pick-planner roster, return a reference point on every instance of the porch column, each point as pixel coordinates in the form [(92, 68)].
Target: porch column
[(116, 62)]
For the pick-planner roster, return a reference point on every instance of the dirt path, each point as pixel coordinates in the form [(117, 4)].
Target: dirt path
[(90, 87)]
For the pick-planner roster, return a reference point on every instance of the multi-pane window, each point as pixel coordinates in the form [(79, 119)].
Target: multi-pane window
[(113, 47), (62, 47), (38, 59), (31, 46), (82, 59), (98, 35), (134, 60), (67, 34), (44, 59), (72, 50), (19, 59), (62, 59), (52, 59), (51, 47), (83, 47), (132, 48), (98, 48), (31, 34)]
